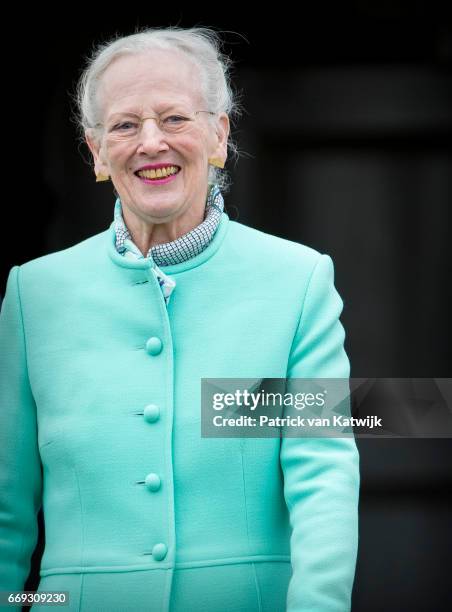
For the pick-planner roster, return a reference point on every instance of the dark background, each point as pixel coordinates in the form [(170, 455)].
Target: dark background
[(347, 148)]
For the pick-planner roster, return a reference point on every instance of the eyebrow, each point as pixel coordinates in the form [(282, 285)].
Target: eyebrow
[(125, 113), (122, 114)]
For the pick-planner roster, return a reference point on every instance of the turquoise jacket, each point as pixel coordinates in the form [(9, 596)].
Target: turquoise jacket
[(100, 384)]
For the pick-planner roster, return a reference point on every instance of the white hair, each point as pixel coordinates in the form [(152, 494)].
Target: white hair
[(202, 45)]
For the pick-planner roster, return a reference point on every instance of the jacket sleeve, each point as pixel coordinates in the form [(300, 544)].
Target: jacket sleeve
[(321, 475), (20, 467)]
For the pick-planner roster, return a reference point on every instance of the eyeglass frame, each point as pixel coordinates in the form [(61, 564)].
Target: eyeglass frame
[(158, 115)]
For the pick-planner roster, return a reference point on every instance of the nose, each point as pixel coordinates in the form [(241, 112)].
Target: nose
[(151, 138)]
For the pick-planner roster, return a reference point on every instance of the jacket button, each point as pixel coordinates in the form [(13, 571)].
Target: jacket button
[(153, 482), (159, 551), (151, 413), (154, 345)]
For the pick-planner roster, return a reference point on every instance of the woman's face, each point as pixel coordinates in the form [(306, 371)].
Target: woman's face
[(147, 84)]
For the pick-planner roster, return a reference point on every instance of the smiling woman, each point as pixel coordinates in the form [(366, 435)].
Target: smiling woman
[(104, 348), (163, 83)]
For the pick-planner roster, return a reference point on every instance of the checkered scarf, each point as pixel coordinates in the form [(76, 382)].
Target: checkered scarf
[(169, 253)]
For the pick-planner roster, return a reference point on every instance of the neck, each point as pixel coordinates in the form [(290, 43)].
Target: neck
[(146, 234)]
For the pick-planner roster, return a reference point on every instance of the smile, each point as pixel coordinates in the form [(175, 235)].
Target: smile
[(159, 176), (159, 173)]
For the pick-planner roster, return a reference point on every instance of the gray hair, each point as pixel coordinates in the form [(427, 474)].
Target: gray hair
[(202, 45)]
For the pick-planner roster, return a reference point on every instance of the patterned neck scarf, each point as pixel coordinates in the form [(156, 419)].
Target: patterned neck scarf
[(169, 253)]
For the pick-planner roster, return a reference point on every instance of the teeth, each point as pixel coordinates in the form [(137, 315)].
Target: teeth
[(159, 173)]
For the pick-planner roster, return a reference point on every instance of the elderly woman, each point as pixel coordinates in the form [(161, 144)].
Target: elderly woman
[(104, 346)]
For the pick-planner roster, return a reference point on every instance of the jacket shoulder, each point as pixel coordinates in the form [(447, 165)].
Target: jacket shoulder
[(75, 257), (271, 249)]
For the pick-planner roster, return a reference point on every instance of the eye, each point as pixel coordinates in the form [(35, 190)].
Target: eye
[(125, 125), (175, 119)]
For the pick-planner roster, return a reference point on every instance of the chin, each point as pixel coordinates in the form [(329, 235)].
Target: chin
[(160, 211)]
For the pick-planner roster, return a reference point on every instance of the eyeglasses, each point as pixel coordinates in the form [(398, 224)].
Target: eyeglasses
[(129, 126)]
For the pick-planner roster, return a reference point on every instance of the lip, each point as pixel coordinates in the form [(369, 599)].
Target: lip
[(156, 166), (161, 181)]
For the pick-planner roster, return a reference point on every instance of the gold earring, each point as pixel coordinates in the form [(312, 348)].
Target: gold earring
[(215, 161), (101, 177)]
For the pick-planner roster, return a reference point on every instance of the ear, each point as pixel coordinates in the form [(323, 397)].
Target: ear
[(220, 146), (100, 165)]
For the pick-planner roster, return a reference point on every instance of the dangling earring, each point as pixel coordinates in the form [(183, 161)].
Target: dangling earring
[(101, 177), (215, 161)]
